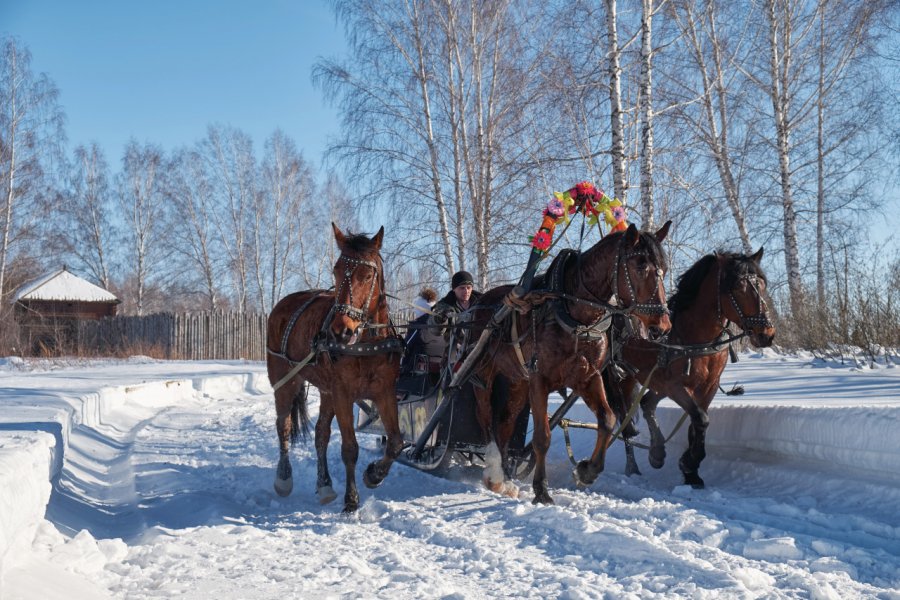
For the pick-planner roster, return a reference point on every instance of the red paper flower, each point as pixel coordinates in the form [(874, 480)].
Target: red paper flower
[(541, 240)]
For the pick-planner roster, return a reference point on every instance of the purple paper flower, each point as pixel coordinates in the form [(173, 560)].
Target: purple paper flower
[(555, 207)]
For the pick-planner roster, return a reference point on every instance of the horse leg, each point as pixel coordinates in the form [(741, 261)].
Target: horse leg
[(540, 443), (657, 454), (349, 450), (324, 490), (628, 434), (504, 423), (288, 430), (594, 395), (696, 452), (386, 403), (619, 401), (492, 476)]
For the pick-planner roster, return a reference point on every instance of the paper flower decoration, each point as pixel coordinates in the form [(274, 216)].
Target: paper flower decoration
[(541, 240)]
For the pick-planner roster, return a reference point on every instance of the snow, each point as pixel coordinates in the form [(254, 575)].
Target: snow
[(153, 479), (62, 285)]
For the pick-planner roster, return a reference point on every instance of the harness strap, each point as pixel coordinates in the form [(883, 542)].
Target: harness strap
[(290, 326), (514, 338), (388, 345)]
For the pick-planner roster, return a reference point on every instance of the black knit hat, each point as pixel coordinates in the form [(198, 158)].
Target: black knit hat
[(461, 278)]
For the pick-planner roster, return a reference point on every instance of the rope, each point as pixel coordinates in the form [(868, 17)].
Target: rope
[(293, 371)]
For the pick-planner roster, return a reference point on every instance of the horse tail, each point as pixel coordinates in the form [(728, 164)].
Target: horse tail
[(299, 417)]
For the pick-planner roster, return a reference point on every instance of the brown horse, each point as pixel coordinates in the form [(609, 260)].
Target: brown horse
[(718, 289), (356, 355), (563, 343)]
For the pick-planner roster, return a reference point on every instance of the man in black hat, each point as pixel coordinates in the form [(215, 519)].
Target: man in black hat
[(460, 298)]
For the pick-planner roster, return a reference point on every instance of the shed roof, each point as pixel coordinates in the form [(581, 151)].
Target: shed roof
[(62, 285)]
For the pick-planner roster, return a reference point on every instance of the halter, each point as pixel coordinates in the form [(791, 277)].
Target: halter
[(644, 308), (357, 314), (761, 318)]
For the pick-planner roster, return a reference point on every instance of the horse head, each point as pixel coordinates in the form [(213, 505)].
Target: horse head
[(741, 287), (638, 277), (358, 283)]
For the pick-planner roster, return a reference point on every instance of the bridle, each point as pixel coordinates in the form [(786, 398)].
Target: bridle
[(747, 322), (350, 265), (643, 308)]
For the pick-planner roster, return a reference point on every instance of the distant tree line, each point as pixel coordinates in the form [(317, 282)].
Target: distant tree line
[(758, 123)]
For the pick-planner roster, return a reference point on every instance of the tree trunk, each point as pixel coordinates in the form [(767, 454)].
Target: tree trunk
[(434, 163), (646, 103), (617, 125), (780, 67)]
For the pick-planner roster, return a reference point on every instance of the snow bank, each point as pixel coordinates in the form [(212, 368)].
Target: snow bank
[(73, 436), (25, 469), (862, 438)]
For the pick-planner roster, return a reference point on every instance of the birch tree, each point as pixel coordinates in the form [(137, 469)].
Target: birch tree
[(702, 35), (228, 153), (86, 214), (616, 116), (286, 187), (30, 136), (646, 105), (142, 207), (197, 248)]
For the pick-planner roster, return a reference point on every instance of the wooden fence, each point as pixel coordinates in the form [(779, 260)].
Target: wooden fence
[(212, 335), (187, 336)]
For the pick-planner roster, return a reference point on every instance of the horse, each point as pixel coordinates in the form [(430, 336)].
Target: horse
[(355, 354), (563, 343), (719, 289)]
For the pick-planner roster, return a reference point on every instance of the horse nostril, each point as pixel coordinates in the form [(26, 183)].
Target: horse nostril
[(655, 333)]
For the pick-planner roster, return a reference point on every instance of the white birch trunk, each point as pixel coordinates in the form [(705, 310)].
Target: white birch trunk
[(780, 67), (646, 102), (617, 125), (434, 163)]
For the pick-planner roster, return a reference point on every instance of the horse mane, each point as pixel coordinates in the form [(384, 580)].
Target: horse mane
[(358, 242), (688, 286)]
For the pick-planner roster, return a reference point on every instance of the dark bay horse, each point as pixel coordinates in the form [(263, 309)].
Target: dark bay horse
[(563, 343), (356, 355), (719, 288)]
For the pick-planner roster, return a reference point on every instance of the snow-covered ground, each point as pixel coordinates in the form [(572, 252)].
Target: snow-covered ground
[(147, 479)]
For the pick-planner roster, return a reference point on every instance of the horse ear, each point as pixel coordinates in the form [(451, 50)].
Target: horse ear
[(757, 258), (339, 236), (632, 235), (376, 239), (663, 231)]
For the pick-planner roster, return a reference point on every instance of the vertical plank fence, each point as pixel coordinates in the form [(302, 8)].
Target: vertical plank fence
[(208, 335)]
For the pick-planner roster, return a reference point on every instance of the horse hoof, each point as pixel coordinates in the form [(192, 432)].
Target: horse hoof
[(694, 480), (326, 494), (657, 457), (504, 488), (584, 474), (284, 487), (544, 499), (632, 469), (370, 478)]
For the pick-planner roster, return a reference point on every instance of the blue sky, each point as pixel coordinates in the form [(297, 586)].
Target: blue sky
[(161, 71)]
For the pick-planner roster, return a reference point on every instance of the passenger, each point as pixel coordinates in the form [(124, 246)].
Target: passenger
[(424, 301)]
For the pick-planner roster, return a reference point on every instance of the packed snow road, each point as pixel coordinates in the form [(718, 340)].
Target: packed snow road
[(161, 498)]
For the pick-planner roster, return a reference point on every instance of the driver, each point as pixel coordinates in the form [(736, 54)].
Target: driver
[(460, 298)]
